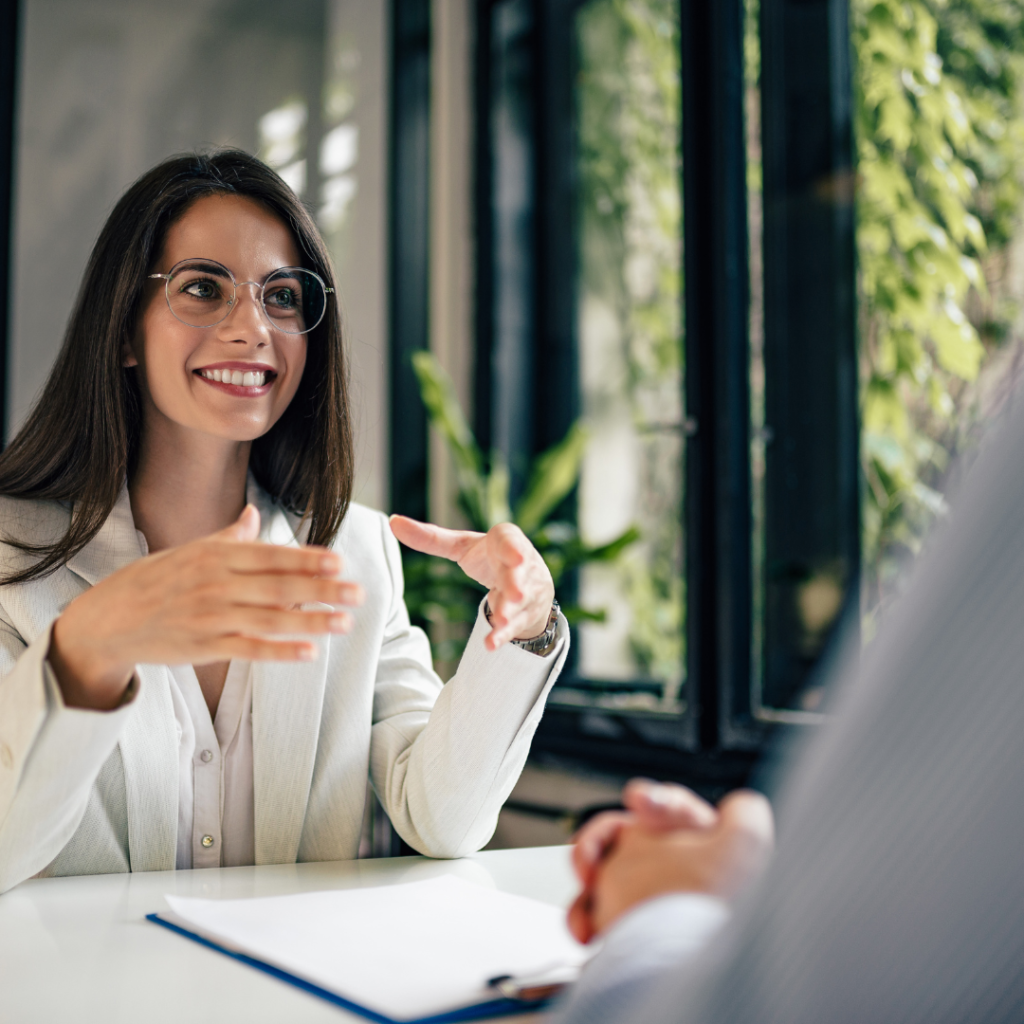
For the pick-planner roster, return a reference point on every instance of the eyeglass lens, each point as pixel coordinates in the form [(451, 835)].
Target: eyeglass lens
[(201, 293)]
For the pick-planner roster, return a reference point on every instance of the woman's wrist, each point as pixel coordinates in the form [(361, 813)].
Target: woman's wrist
[(84, 681), (542, 634)]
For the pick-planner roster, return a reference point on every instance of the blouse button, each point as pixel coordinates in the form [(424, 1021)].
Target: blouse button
[(207, 841), (206, 756)]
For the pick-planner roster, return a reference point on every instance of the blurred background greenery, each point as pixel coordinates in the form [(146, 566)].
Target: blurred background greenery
[(939, 93), (438, 592)]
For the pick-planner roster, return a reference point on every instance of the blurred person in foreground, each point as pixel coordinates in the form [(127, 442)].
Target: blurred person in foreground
[(896, 892)]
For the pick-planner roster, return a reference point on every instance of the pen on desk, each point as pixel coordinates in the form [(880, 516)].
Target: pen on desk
[(537, 987)]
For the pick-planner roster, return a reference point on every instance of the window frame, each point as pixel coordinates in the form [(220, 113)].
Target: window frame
[(716, 742)]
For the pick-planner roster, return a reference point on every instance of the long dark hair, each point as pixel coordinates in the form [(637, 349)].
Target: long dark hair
[(81, 441)]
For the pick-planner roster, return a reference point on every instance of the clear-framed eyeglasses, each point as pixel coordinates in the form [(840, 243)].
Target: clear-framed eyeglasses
[(201, 293)]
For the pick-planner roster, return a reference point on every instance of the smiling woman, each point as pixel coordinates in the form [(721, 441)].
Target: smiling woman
[(176, 539)]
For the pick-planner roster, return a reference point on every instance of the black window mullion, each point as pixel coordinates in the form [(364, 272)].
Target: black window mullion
[(812, 521), (409, 213), (718, 516), (556, 364)]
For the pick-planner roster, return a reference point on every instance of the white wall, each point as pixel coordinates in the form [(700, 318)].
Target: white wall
[(110, 87)]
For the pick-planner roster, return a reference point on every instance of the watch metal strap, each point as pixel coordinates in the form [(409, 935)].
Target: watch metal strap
[(543, 642)]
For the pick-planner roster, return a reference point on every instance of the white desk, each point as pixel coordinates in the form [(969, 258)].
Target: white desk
[(80, 950)]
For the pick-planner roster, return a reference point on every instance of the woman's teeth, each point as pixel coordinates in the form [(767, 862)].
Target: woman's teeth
[(245, 380)]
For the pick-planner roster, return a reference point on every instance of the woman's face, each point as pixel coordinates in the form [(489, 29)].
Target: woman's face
[(176, 361)]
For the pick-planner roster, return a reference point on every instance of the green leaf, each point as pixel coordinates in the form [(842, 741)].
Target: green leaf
[(446, 416), (574, 614), (610, 551), (496, 508), (555, 474), (438, 394)]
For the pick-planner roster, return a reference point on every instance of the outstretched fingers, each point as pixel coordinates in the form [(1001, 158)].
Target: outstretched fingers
[(519, 584), (278, 590), (258, 621), (250, 648), (253, 557), (509, 605), (245, 528), (433, 540), (508, 545), (522, 591)]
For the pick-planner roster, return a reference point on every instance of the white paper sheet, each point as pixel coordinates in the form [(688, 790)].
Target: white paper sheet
[(406, 951)]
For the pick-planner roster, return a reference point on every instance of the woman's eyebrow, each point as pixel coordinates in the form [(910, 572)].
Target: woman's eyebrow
[(210, 268)]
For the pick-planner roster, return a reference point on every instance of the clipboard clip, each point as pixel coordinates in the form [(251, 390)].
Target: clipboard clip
[(534, 988)]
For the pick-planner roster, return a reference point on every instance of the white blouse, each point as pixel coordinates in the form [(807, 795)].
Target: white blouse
[(216, 819), (216, 804)]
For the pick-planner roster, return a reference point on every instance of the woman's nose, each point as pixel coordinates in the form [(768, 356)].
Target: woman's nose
[(254, 316)]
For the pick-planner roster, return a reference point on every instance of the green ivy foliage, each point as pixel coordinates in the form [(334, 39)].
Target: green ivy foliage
[(940, 142)]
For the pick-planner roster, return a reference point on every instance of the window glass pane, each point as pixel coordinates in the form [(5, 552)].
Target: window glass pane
[(630, 348), (938, 113), (940, 137)]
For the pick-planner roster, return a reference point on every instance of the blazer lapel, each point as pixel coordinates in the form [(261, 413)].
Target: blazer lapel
[(114, 546), (149, 750), (149, 742), (287, 701)]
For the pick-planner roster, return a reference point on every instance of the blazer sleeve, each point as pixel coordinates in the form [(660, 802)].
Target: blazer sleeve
[(444, 758), (50, 755)]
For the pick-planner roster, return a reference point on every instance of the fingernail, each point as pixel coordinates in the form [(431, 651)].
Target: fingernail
[(330, 564), (307, 654), (338, 623)]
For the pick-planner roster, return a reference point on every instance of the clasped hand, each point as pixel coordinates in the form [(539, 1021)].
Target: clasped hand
[(666, 840), (228, 596)]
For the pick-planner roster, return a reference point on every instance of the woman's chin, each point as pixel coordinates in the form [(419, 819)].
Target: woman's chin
[(234, 429)]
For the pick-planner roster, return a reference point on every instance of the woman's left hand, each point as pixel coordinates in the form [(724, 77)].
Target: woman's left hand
[(520, 590)]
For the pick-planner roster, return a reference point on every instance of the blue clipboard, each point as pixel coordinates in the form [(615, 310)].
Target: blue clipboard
[(500, 1007)]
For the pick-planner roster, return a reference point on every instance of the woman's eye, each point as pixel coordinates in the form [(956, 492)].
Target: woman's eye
[(283, 298), (201, 290)]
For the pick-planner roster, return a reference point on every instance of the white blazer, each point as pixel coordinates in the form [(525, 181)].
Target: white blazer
[(85, 792)]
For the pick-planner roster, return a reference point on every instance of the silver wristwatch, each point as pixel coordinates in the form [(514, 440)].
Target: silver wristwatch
[(543, 642)]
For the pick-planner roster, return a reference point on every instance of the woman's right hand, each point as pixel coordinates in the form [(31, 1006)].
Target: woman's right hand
[(225, 596)]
